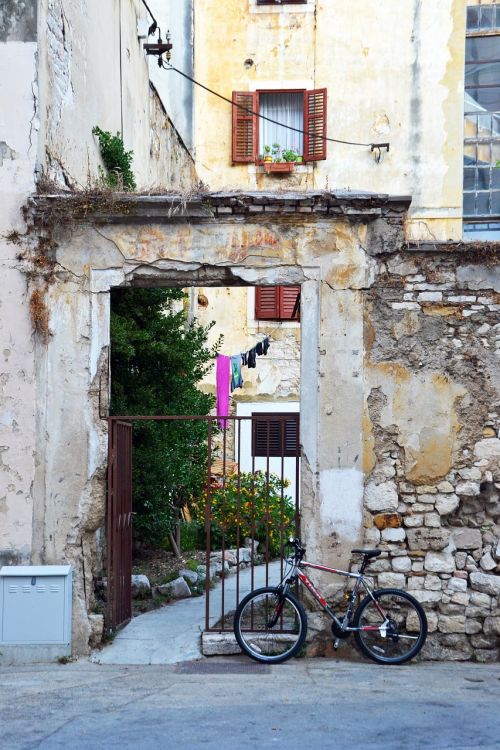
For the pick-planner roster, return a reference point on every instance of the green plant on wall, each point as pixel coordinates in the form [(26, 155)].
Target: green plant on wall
[(117, 161)]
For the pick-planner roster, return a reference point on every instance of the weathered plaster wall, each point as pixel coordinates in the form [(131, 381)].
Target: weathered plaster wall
[(18, 132), (277, 375), (431, 439), (93, 71), (307, 241), (403, 85)]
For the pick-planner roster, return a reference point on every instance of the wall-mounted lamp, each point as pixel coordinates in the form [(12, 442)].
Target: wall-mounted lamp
[(376, 149), (160, 48)]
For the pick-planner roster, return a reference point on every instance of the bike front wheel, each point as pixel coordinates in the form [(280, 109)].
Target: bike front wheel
[(270, 626), (392, 626)]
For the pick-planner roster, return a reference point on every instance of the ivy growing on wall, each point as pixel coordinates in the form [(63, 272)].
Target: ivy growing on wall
[(117, 161)]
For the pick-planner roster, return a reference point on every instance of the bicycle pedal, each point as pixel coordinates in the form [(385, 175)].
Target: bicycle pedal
[(336, 643)]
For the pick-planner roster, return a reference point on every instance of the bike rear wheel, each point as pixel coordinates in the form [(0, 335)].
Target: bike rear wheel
[(393, 626), (270, 626)]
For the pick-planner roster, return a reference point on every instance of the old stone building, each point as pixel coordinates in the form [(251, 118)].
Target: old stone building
[(394, 248)]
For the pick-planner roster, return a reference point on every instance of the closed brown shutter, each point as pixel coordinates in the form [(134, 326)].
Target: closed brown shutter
[(287, 303), (315, 125), (267, 303), (244, 126), (275, 434)]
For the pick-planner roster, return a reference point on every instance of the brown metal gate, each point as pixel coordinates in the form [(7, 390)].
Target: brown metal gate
[(274, 437), (119, 524)]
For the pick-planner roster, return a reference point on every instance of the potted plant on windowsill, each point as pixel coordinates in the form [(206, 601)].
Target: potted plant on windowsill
[(283, 160)]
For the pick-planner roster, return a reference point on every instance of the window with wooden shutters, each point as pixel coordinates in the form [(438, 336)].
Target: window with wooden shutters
[(277, 303), (244, 126), (275, 434), (281, 2), (293, 118), (315, 125)]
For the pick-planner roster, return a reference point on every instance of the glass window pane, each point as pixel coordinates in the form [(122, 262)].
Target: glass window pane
[(495, 152), (484, 126), (486, 98), (469, 154), (469, 178), (487, 17), (483, 153), (482, 204), (495, 177), (472, 19), (495, 202), (495, 125), (468, 204), (483, 178), (286, 108), (470, 126), (482, 48), (481, 74), (497, 22)]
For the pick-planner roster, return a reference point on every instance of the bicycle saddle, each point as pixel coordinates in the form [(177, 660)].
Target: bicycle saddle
[(368, 552)]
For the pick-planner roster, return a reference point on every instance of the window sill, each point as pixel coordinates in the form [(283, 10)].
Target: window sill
[(297, 169), (307, 7)]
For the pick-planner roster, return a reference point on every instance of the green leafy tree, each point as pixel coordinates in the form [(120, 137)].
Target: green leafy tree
[(157, 360)]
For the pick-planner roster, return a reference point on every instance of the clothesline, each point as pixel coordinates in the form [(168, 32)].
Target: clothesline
[(228, 374)]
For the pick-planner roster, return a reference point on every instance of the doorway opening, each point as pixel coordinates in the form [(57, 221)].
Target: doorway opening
[(216, 495)]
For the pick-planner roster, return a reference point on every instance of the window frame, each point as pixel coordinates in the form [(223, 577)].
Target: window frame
[(281, 304), (267, 446), (473, 223), (245, 127)]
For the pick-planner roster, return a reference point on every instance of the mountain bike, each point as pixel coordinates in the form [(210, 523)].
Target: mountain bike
[(270, 623)]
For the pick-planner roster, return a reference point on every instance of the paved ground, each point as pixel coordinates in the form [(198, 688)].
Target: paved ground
[(235, 704), (173, 633)]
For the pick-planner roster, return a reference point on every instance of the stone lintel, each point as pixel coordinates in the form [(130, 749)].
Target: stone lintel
[(131, 208)]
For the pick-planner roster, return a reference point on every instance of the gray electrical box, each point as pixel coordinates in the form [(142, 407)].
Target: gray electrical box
[(35, 606)]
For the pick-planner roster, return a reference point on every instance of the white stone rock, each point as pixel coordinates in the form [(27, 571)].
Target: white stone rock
[(470, 473), (488, 448), (492, 626), (432, 583), (439, 562), (380, 497), (433, 520), (401, 564), (479, 599), (466, 538), (460, 598), (372, 536), (451, 624), (189, 575), (140, 586), (446, 504), (487, 562), (497, 550), (413, 520), (457, 584), (427, 498), (445, 486), (393, 535), (487, 584), (177, 589), (427, 597), (467, 488), (391, 580)]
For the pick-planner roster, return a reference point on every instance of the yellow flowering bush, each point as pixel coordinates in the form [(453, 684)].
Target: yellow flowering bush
[(248, 505)]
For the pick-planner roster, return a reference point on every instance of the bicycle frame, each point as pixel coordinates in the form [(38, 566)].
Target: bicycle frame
[(296, 573)]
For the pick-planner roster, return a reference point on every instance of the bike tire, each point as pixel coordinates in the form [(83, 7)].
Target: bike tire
[(405, 635), (261, 641)]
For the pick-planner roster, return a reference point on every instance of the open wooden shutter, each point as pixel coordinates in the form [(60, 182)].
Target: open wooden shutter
[(267, 301), (244, 126), (288, 299), (315, 125)]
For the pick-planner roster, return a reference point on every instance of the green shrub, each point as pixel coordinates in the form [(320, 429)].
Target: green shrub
[(248, 505), (117, 161)]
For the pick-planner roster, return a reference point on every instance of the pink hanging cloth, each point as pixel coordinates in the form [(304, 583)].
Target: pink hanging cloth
[(222, 376)]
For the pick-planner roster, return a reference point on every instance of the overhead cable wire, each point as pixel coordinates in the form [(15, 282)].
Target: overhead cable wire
[(154, 25), (269, 119)]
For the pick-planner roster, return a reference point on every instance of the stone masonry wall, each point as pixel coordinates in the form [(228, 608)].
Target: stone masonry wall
[(432, 496)]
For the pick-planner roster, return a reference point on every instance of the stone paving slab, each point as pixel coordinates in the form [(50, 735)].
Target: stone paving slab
[(173, 633)]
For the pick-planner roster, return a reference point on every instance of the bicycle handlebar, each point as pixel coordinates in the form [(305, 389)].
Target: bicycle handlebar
[(295, 543)]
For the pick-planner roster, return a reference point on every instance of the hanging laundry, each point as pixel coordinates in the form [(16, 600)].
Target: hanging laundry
[(265, 345), (222, 376), (252, 358), (236, 379), (244, 357), (259, 349)]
